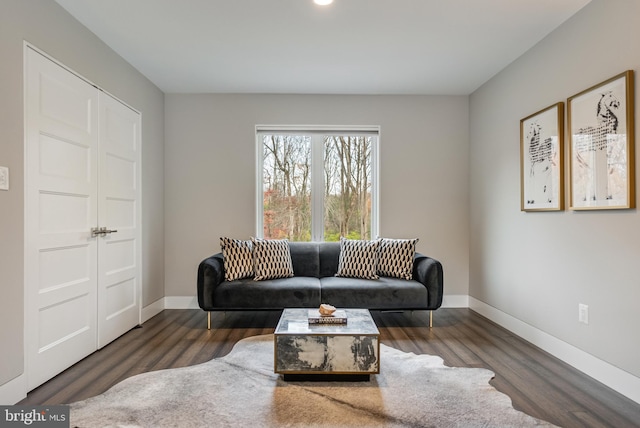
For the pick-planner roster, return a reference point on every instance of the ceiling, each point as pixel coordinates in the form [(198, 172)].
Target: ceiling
[(446, 47)]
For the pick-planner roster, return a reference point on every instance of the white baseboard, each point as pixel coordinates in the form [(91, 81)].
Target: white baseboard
[(623, 382), (13, 391), (455, 301), (152, 310), (169, 302), (181, 302)]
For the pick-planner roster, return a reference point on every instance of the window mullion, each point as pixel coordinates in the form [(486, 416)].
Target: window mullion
[(259, 186), (375, 188), (317, 187)]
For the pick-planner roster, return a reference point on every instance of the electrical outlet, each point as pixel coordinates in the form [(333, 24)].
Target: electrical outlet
[(583, 313), (4, 178)]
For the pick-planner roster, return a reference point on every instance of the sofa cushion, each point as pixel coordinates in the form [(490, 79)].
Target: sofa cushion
[(271, 259), (385, 293), (395, 257), (357, 259), (299, 292), (238, 258)]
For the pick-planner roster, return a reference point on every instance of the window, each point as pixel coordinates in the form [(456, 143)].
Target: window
[(317, 184)]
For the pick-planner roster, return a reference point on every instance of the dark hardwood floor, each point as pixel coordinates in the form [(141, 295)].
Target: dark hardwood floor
[(537, 383)]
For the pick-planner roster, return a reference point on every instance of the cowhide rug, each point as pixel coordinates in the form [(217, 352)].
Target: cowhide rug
[(241, 390)]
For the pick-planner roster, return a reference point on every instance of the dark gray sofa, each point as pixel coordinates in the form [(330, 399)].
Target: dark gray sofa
[(315, 265)]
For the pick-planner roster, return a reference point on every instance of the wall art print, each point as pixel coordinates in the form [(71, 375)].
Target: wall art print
[(601, 149), (542, 160)]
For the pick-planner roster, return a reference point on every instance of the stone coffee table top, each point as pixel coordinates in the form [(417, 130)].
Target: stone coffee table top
[(295, 321)]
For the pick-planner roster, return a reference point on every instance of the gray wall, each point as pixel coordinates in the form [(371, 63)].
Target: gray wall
[(47, 26), (210, 171), (537, 267)]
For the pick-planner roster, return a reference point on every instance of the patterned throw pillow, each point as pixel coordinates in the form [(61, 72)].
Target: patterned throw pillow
[(238, 258), (395, 257), (271, 259), (357, 259)]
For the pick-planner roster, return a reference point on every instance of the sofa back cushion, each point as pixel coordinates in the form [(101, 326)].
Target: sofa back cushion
[(315, 259), (305, 258), (329, 258)]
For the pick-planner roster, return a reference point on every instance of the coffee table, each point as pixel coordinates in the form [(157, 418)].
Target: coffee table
[(304, 351)]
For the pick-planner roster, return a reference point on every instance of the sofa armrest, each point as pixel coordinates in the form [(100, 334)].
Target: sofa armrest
[(428, 271), (210, 275)]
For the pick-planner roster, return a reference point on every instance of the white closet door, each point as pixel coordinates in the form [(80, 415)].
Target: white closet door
[(82, 289), (119, 211), (60, 210)]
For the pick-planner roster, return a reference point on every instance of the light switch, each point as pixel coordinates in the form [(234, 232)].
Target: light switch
[(4, 178)]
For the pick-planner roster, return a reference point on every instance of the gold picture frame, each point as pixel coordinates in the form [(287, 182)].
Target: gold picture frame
[(601, 145), (542, 160)]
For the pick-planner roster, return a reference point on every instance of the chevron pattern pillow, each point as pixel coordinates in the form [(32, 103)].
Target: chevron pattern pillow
[(238, 258), (395, 257), (271, 259), (357, 259)]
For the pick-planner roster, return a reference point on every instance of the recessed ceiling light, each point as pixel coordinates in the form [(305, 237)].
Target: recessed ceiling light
[(323, 2)]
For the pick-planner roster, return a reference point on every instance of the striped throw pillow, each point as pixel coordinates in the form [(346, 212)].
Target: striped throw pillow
[(238, 258), (395, 257), (271, 259), (357, 259)]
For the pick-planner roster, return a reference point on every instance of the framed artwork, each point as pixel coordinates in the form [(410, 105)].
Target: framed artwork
[(542, 160), (601, 150)]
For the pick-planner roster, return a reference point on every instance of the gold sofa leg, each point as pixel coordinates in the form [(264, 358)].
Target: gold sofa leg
[(209, 320), (430, 319)]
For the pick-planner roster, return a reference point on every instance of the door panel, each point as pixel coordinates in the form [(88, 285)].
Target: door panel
[(68, 118), (119, 267), (120, 176), (120, 214), (119, 255), (64, 160), (60, 267), (61, 208), (120, 297), (61, 213)]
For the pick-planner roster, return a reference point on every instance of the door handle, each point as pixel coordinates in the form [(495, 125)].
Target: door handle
[(95, 231)]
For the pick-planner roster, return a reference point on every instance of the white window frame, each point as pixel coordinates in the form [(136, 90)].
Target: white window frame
[(317, 132)]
